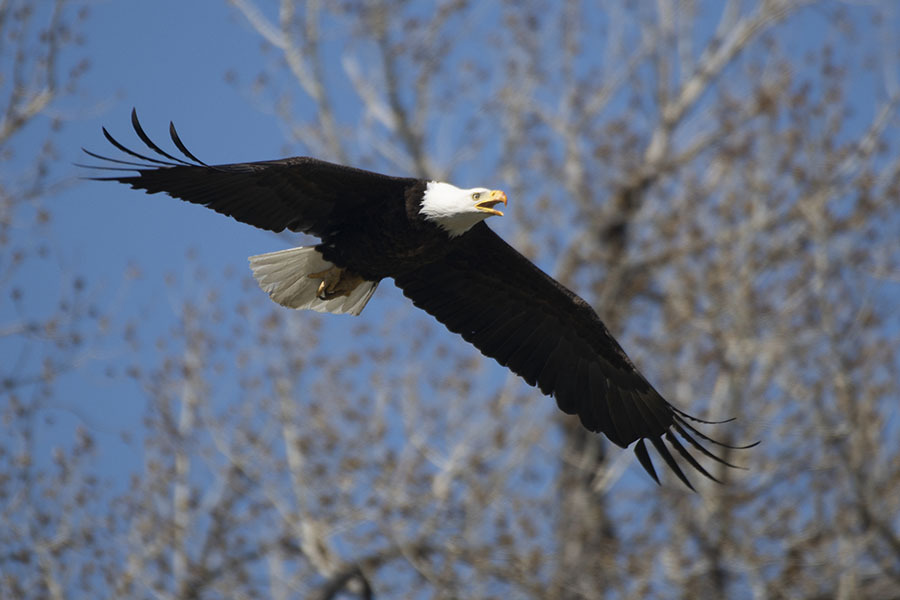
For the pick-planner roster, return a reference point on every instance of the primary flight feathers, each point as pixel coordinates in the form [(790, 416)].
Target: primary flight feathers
[(430, 238)]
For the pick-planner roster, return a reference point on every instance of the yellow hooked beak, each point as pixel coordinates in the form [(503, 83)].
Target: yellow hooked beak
[(494, 197)]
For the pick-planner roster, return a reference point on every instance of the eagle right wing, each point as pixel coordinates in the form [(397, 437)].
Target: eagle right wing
[(509, 309), (300, 193)]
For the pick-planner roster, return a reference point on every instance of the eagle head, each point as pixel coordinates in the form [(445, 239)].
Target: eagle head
[(457, 210)]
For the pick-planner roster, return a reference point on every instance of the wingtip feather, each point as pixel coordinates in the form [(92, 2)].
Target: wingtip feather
[(670, 460), (687, 456), (139, 130), (640, 450), (173, 133)]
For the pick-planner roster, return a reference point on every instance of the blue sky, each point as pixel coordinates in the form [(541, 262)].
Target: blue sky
[(169, 60)]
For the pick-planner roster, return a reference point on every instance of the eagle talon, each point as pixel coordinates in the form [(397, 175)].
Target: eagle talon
[(336, 282), (322, 292)]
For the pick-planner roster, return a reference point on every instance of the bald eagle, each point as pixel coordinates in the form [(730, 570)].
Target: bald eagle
[(431, 239)]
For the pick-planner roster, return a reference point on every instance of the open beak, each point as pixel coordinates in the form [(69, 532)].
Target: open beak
[(494, 198)]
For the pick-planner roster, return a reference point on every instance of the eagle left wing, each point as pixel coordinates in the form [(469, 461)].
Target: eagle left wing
[(299, 193), (510, 310)]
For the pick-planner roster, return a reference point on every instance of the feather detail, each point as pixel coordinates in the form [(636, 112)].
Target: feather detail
[(286, 276)]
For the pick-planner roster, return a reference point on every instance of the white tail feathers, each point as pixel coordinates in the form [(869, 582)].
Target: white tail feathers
[(284, 275)]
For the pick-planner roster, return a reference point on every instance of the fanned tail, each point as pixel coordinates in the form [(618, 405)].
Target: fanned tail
[(285, 276)]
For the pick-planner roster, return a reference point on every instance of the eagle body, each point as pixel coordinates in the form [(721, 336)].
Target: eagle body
[(386, 239), (431, 239)]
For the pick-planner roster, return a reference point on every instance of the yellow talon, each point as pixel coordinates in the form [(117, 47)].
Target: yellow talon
[(335, 282)]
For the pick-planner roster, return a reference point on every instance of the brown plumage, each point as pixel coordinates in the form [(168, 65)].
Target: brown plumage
[(478, 286)]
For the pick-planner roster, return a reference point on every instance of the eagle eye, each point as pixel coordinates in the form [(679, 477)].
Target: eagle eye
[(476, 195)]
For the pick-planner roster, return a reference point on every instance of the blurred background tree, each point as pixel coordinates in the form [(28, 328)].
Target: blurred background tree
[(719, 179)]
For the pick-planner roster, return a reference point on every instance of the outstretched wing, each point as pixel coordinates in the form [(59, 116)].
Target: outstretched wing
[(300, 193), (523, 318)]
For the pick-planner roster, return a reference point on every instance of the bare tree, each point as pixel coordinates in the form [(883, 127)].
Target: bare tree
[(721, 208), (723, 191), (52, 512)]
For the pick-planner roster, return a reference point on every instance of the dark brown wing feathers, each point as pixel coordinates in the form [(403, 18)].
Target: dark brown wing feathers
[(483, 289), (299, 193), (513, 312)]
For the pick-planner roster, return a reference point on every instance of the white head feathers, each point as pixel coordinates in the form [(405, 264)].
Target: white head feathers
[(456, 210)]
